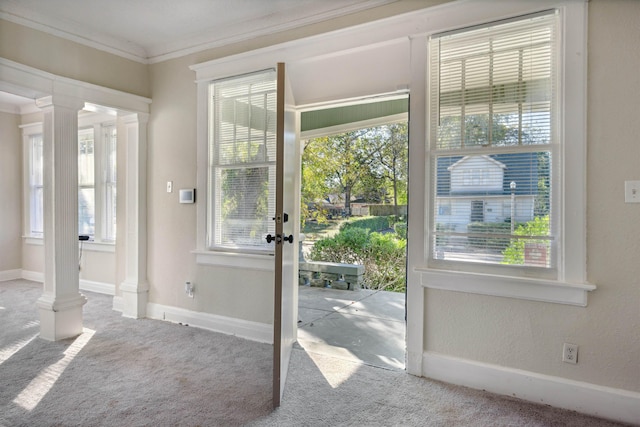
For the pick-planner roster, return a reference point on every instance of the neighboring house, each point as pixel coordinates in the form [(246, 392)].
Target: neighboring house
[(478, 189)]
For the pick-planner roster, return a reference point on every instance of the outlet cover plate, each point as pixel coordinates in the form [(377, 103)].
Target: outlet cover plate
[(570, 353)]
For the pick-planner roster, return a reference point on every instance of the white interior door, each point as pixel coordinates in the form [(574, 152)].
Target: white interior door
[(287, 230)]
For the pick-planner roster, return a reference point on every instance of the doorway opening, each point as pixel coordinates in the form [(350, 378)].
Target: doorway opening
[(352, 293)]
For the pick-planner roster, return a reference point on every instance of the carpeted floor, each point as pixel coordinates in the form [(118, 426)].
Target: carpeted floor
[(125, 372)]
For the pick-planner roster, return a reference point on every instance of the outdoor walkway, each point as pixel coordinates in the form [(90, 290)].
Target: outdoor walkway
[(365, 325)]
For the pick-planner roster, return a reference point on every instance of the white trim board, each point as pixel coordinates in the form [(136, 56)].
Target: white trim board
[(591, 399), (10, 275), (85, 285), (255, 331)]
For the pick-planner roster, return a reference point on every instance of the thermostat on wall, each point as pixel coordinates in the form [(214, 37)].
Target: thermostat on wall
[(188, 195)]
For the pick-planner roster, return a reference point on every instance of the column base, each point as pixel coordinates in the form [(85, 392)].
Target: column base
[(60, 318), (134, 300)]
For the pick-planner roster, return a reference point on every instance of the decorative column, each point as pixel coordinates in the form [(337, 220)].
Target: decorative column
[(135, 288), (60, 305)]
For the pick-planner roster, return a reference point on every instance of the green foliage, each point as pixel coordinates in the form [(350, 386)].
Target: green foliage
[(514, 253), (489, 228), (383, 256), (401, 229), (443, 228), (372, 223), (367, 163)]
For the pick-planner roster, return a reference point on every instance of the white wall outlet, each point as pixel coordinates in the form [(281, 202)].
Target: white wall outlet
[(169, 186), (570, 353), (632, 191), (188, 289)]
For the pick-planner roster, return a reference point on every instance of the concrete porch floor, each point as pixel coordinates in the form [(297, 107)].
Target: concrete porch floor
[(366, 326)]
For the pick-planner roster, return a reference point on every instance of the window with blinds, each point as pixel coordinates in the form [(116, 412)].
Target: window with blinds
[(110, 181), (86, 182), (494, 144), (242, 155), (36, 186)]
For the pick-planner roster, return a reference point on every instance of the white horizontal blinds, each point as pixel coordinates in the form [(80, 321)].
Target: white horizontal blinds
[(86, 182), (495, 85), (36, 184), (243, 155), (110, 181), (493, 143)]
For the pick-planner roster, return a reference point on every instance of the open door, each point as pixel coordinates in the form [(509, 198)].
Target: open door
[(286, 239)]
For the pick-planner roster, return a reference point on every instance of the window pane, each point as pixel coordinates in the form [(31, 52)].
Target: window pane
[(36, 160), (86, 211), (37, 211), (492, 97), (497, 82), (110, 142), (242, 151), (244, 206), (36, 215), (493, 208), (85, 157)]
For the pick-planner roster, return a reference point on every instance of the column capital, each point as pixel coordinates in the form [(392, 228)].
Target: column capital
[(128, 118), (57, 100)]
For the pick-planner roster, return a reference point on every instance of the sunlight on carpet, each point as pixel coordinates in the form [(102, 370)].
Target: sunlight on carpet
[(334, 377), (10, 350), (40, 385)]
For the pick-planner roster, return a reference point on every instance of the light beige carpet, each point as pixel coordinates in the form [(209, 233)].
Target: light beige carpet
[(125, 372)]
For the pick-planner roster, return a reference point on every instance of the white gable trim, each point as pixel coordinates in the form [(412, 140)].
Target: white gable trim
[(489, 159)]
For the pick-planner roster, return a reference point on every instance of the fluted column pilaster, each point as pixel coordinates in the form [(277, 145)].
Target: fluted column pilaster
[(135, 288), (60, 305)]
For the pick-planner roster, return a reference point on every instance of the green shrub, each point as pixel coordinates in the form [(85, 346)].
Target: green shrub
[(514, 253), (443, 228), (401, 229), (497, 243), (372, 223), (383, 256)]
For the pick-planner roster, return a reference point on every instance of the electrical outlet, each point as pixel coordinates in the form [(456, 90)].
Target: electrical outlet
[(188, 289), (570, 353)]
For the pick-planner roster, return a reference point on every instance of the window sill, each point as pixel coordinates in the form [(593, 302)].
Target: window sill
[(32, 240), (90, 246), (246, 261), (505, 286), (87, 245)]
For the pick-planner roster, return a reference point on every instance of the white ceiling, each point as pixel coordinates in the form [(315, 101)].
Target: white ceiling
[(153, 30)]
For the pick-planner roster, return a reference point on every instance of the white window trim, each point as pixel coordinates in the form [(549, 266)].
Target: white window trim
[(28, 130), (253, 259), (571, 286), (97, 121)]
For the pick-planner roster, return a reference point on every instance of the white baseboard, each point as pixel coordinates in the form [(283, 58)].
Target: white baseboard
[(98, 287), (10, 275), (604, 402), (36, 276), (254, 331), (85, 285)]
